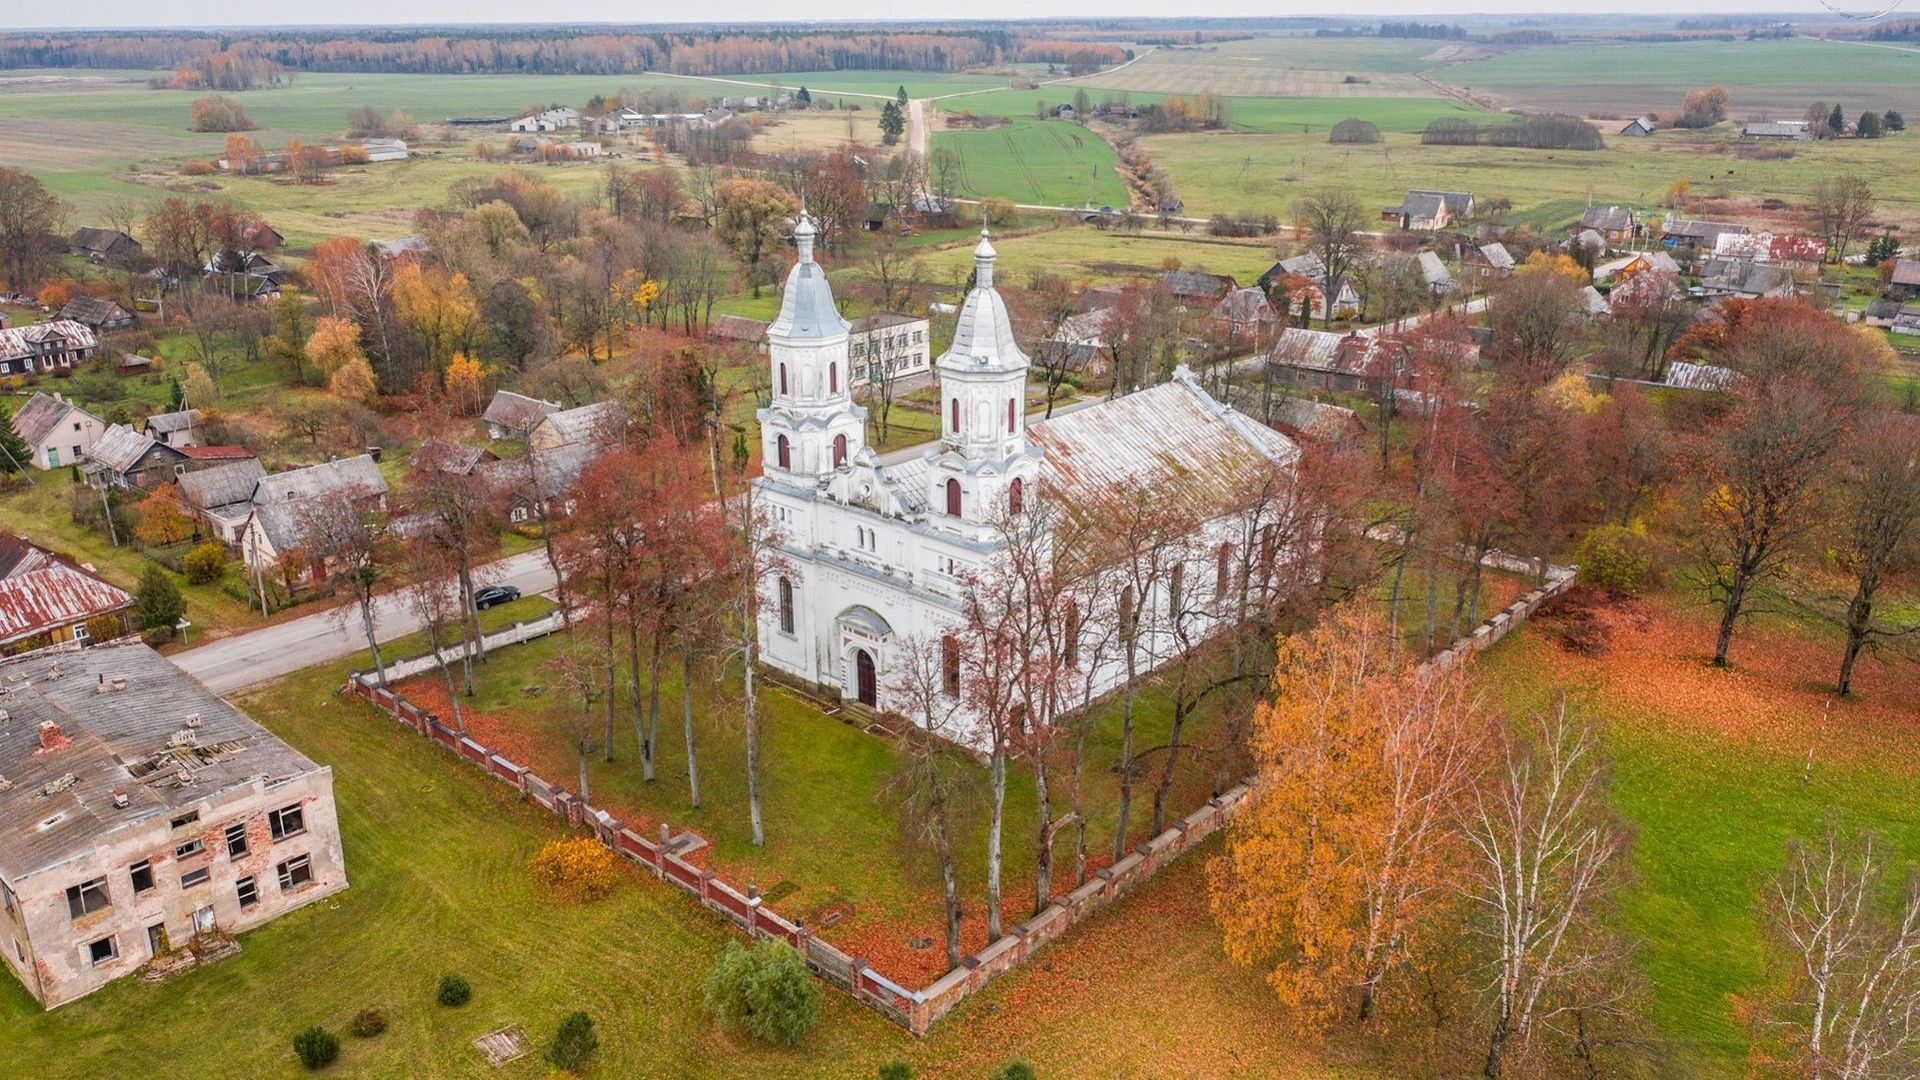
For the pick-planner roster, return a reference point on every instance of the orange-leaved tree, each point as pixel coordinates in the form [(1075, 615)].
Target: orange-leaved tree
[(1344, 859)]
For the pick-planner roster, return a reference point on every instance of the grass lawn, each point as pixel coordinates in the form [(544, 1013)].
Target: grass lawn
[(835, 852), (1708, 768), (1044, 162), (1246, 114), (436, 855), (1082, 251)]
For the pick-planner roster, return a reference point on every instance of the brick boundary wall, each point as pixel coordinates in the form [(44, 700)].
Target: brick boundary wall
[(915, 1010)]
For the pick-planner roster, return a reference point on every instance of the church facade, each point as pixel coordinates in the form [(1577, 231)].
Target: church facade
[(871, 555)]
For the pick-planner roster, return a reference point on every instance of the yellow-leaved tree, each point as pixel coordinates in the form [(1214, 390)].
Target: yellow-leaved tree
[(439, 307), (334, 343), (353, 381), (1340, 865), (162, 520), (466, 383)]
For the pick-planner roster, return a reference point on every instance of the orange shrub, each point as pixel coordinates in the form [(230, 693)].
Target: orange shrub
[(576, 869)]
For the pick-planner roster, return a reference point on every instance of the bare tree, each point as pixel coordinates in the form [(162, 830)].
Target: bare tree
[(434, 597), (1880, 494), (1842, 206), (928, 786), (1847, 1005), (1543, 851), (339, 531), (1333, 219), (578, 667)]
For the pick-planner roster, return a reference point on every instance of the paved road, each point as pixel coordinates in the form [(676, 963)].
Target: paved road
[(243, 660)]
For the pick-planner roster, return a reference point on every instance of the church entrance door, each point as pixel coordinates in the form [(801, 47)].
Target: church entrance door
[(868, 688)]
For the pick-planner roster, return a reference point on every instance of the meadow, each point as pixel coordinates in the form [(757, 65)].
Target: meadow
[(1277, 67), (1040, 162), (1780, 76), (1548, 188)]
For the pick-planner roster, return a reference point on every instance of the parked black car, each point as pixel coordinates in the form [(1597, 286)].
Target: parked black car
[(494, 594)]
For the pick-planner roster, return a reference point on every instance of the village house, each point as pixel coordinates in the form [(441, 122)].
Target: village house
[(1626, 267), (1305, 276), (537, 486), (128, 364), (280, 521), (48, 347), (1615, 223), (1323, 359), (125, 458), (1487, 263), (600, 422), (1796, 130), (141, 813), (899, 344), (248, 275), (47, 598), (1784, 249), (103, 245), (1638, 128), (739, 330), (1704, 235), (97, 313), (1908, 321), (1741, 277), (1434, 273), (1081, 339), (1307, 420), (1593, 304), (1648, 289), (1429, 211), (173, 429), (56, 431), (1904, 283), (1881, 313), (1246, 316), (554, 119), (1197, 287), (514, 416), (221, 496)]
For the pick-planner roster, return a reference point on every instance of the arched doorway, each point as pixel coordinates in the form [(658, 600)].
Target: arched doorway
[(865, 680)]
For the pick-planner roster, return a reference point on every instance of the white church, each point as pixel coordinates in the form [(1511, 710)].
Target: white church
[(871, 554)]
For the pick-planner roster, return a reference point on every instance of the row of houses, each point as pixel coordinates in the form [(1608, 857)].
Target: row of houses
[(889, 345)]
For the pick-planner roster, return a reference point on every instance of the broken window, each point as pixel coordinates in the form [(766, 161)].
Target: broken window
[(87, 897), (194, 877), (236, 840), (248, 891), (142, 875), (295, 872), (189, 849), (286, 821), (185, 820), (103, 950)]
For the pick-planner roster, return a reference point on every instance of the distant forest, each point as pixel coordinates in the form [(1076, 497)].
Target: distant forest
[(246, 60)]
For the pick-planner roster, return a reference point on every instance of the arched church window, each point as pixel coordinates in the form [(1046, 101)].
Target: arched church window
[(783, 378), (1223, 572), (786, 606), (953, 498), (833, 378), (954, 411), (1016, 496), (839, 450), (1009, 416), (786, 453)]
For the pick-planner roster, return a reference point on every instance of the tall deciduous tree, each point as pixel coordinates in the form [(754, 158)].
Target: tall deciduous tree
[(1333, 220), (342, 533), (1880, 501), (30, 223)]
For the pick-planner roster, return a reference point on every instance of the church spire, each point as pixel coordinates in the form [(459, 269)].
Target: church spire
[(803, 234), (983, 255)]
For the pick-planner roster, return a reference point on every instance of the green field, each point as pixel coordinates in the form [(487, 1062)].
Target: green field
[(1104, 257), (1253, 114), (1271, 172), (1044, 162), (1782, 77)]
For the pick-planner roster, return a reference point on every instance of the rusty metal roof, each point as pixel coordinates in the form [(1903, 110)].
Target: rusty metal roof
[(53, 596)]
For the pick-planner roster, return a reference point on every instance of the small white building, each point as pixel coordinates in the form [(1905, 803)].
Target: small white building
[(56, 431), (889, 345), (555, 119)]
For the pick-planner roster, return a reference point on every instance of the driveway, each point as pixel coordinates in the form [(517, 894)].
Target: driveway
[(235, 663)]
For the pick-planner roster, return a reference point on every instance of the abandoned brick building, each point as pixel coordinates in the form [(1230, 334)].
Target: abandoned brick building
[(139, 815)]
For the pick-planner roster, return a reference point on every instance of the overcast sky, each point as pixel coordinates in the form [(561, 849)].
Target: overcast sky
[(125, 13)]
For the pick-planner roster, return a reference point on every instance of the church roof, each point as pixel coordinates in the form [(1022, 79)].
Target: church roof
[(983, 336), (807, 311), (1174, 431)]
